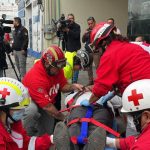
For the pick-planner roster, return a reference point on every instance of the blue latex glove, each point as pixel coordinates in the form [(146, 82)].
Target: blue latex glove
[(85, 103), (106, 98)]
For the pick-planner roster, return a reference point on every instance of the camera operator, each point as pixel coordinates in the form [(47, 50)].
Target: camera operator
[(72, 39), (95, 54), (19, 46), (4, 48)]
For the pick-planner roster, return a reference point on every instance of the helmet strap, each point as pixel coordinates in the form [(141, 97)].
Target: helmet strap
[(103, 49), (137, 121), (47, 67), (7, 111)]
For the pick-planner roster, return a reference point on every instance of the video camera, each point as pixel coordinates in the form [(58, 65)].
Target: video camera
[(59, 26), (4, 29), (62, 23)]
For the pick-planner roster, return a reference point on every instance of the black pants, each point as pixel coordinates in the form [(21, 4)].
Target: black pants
[(100, 114)]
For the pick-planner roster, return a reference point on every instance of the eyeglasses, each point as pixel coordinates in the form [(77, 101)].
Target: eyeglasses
[(59, 64)]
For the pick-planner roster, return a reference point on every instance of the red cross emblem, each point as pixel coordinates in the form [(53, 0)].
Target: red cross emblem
[(135, 97), (4, 93)]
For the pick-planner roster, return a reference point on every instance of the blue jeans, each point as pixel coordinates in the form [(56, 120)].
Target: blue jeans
[(75, 76)]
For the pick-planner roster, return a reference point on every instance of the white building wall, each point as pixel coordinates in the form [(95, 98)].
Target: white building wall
[(34, 24), (100, 9), (10, 9), (28, 22), (82, 9), (36, 28)]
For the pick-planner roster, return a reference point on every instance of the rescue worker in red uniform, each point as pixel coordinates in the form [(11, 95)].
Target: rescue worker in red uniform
[(121, 63), (135, 101), (43, 82), (14, 98)]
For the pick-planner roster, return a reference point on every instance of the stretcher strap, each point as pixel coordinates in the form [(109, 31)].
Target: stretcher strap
[(84, 127), (73, 100), (70, 102), (69, 109), (95, 122)]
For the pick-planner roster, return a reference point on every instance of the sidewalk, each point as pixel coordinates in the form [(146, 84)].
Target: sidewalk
[(10, 72)]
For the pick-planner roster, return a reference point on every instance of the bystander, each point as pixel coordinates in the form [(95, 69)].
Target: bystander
[(19, 46)]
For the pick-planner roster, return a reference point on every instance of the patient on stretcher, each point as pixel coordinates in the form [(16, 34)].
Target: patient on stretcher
[(84, 125)]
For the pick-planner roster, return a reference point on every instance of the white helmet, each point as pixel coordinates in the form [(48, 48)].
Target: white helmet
[(136, 96), (85, 58), (13, 94), (79, 98)]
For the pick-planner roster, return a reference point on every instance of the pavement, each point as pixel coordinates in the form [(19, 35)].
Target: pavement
[(10, 71)]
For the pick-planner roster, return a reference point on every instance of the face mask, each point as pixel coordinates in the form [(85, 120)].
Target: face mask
[(17, 115)]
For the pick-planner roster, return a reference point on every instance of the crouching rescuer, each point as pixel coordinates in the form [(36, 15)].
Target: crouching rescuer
[(14, 98), (43, 81)]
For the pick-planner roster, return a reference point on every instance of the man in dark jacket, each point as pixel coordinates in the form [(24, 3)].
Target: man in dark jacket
[(72, 39), (20, 44), (73, 35)]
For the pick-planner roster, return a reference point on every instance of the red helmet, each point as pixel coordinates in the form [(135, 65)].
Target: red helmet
[(99, 32), (54, 56)]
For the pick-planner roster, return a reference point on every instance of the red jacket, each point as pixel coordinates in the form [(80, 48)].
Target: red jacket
[(142, 142), (42, 87), (120, 65), (18, 134)]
